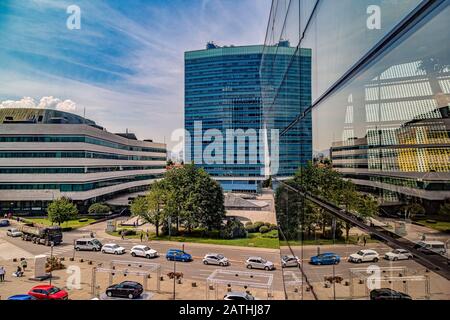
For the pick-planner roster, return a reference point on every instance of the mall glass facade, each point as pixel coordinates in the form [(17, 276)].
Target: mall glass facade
[(380, 116)]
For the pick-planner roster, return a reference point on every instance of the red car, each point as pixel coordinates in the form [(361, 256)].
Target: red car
[(46, 292)]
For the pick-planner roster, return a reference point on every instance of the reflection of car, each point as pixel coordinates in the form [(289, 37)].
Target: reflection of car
[(289, 261), (238, 296), (398, 254), (113, 248), (364, 256), (178, 255), (13, 232), (126, 289), (259, 263), (431, 247), (215, 258), (22, 297), (143, 251), (325, 259), (88, 244), (47, 292), (388, 294), (4, 223)]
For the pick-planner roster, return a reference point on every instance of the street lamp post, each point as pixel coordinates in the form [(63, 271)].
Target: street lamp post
[(51, 262)]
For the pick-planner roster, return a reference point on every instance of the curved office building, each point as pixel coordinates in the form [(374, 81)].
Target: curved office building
[(46, 154)]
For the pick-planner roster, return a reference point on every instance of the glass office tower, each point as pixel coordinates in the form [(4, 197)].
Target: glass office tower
[(380, 117), (223, 95)]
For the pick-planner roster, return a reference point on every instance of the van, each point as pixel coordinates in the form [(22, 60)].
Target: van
[(431, 247), (88, 244)]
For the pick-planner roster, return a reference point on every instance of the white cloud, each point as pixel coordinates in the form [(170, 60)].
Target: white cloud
[(49, 102)]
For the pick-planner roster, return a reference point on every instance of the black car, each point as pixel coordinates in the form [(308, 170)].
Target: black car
[(126, 289), (388, 294)]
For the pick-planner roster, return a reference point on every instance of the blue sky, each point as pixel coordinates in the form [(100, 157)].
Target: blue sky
[(125, 65)]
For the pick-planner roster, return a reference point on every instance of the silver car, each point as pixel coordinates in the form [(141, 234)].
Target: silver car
[(289, 261), (238, 296), (216, 259), (259, 263)]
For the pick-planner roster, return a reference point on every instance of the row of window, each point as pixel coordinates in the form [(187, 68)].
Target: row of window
[(83, 139), (76, 154), (65, 187), (75, 170)]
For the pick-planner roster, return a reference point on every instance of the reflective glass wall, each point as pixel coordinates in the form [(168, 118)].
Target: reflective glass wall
[(379, 177)]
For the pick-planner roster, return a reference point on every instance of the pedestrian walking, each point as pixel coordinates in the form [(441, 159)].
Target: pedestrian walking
[(2, 273), (142, 235), (24, 264), (365, 241), (92, 234), (122, 234)]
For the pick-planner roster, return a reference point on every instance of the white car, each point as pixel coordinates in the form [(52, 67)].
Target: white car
[(215, 258), (259, 263), (290, 261), (13, 232), (238, 296), (113, 248), (364, 256), (398, 254), (143, 251)]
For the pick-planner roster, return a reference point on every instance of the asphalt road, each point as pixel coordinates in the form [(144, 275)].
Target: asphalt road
[(194, 270)]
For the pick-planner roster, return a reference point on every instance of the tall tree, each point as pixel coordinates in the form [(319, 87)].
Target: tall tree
[(61, 210)]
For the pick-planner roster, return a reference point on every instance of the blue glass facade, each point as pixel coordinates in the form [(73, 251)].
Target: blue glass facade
[(223, 92)]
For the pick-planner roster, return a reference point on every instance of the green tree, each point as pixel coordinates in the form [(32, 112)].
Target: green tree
[(139, 206), (61, 210), (99, 208), (413, 209), (156, 199), (444, 210)]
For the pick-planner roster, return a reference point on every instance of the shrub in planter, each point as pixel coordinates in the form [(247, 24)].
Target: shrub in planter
[(264, 229), (250, 228)]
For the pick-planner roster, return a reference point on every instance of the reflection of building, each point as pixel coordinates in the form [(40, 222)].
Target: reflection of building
[(223, 92), (46, 154), (411, 161)]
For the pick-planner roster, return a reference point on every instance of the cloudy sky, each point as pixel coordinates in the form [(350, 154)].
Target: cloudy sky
[(125, 64)]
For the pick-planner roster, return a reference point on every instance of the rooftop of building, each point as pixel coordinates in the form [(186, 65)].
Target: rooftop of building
[(214, 50)]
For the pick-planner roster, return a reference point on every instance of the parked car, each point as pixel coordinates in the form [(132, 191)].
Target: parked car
[(178, 255), (259, 263), (88, 244), (289, 261), (431, 247), (365, 255), (216, 259), (13, 232), (47, 292), (388, 294), (238, 296), (143, 251), (4, 223), (325, 259), (398, 254), (113, 248), (22, 297), (126, 289)]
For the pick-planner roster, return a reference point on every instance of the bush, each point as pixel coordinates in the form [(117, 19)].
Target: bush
[(264, 229), (248, 223), (273, 227), (233, 229), (99, 208), (128, 232), (267, 224), (250, 228), (258, 224)]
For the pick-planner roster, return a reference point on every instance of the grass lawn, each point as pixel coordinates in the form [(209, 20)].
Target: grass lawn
[(74, 224), (256, 240), (439, 225)]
